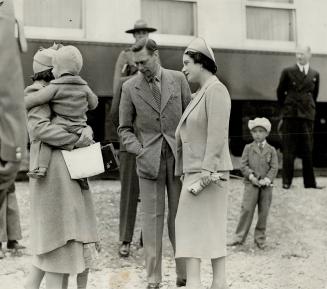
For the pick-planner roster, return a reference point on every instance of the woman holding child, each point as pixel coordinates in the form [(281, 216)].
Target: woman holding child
[(62, 214), (202, 152)]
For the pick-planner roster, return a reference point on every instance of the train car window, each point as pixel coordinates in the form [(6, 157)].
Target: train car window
[(158, 13), (53, 14), (270, 20)]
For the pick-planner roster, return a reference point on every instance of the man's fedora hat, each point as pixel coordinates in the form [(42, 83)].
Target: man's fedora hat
[(141, 25)]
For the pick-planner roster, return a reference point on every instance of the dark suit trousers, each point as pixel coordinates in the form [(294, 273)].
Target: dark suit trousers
[(9, 215), (252, 197), (298, 141), (128, 197), (153, 211)]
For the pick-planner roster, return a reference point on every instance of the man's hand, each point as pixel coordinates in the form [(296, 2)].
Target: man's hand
[(86, 138)]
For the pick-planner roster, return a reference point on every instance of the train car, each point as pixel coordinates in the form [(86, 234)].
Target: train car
[(253, 40)]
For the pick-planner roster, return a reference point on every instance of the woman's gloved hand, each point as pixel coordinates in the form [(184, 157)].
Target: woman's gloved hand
[(86, 138), (205, 177)]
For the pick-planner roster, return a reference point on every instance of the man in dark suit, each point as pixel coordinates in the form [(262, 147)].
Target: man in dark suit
[(297, 94), (129, 195), (12, 127), (153, 102)]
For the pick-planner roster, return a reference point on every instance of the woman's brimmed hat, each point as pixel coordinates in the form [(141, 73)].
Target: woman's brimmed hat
[(260, 121), (42, 60), (199, 45), (141, 25)]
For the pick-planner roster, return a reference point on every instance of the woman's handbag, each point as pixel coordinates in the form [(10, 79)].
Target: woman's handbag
[(84, 162), (110, 159)]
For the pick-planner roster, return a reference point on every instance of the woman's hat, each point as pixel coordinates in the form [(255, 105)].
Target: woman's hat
[(199, 45), (260, 121), (141, 25), (42, 59)]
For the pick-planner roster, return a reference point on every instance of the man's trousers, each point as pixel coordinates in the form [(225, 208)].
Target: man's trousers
[(298, 141), (153, 211), (128, 197), (9, 215)]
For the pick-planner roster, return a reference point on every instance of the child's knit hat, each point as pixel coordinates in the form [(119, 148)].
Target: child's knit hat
[(260, 121), (68, 59), (42, 59)]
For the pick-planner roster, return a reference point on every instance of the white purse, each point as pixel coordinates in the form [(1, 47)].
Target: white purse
[(84, 162)]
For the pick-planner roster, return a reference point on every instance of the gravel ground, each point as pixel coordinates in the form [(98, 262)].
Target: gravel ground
[(295, 258)]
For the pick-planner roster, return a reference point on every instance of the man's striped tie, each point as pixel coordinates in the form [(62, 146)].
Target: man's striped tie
[(156, 92)]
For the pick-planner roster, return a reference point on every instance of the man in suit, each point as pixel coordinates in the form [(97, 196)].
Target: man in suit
[(297, 94), (124, 69), (12, 127), (153, 101)]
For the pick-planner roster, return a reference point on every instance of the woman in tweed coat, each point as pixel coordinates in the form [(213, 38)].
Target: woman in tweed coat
[(63, 217), (202, 150)]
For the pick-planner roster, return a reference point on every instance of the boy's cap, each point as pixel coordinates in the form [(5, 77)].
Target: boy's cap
[(260, 121), (42, 59), (69, 60)]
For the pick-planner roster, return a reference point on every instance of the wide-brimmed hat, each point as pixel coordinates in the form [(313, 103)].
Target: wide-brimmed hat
[(141, 25), (260, 121), (199, 45)]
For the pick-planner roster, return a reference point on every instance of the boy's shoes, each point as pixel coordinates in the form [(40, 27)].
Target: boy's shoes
[(286, 186), (235, 243), (180, 282), (14, 245), (124, 249), (261, 246)]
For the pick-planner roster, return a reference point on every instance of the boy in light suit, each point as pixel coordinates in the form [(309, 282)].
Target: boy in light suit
[(259, 165)]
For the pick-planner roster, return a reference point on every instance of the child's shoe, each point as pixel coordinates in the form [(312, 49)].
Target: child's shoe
[(83, 183)]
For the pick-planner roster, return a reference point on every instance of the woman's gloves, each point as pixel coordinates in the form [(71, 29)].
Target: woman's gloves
[(206, 178)]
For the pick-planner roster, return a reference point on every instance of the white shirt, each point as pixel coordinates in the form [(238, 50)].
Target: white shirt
[(305, 67)]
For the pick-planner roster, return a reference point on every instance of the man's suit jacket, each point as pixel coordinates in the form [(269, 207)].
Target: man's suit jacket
[(114, 110), (138, 106), (12, 109), (261, 164), (202, 133), (297, 93)]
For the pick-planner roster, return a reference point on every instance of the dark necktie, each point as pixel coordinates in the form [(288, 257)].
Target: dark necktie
[(156, 92)]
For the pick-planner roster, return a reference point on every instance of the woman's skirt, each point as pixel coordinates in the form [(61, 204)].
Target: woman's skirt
[(73, 258), (201, 220)]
